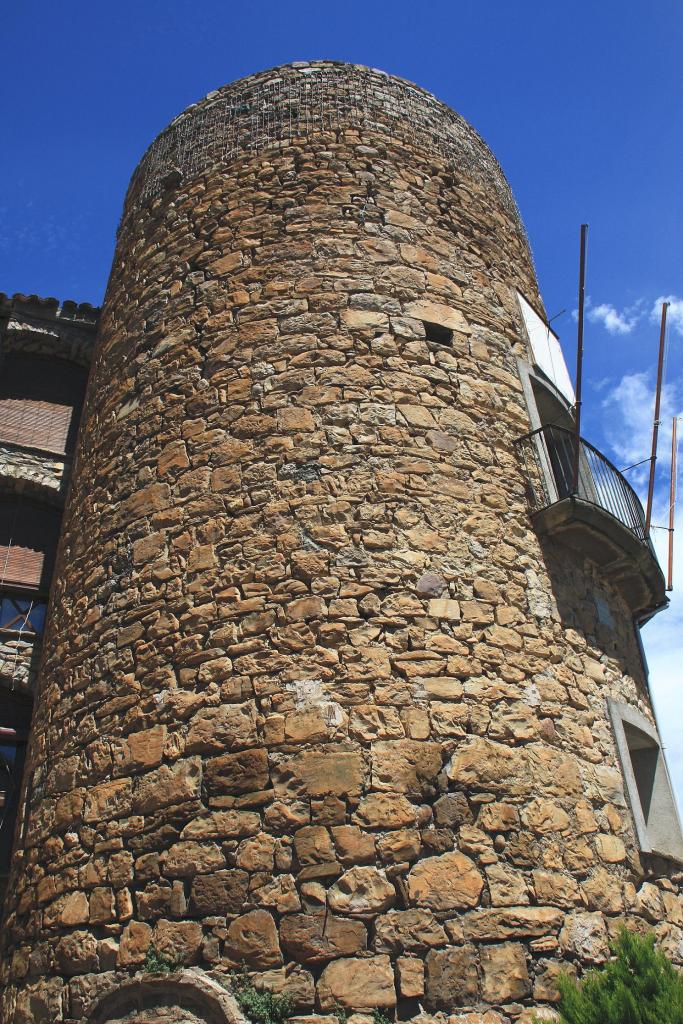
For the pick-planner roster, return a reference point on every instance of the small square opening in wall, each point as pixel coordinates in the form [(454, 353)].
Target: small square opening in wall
[(648, 786), (438, 334)]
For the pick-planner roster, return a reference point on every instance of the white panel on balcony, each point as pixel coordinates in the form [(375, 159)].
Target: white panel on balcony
[(546, 350)]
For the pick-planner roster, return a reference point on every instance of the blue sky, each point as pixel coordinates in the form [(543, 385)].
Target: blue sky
[(580, 102)]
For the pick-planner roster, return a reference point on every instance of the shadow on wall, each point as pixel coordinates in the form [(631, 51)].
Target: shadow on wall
[(589, 605)]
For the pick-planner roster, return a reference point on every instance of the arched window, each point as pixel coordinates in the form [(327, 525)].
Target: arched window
[(40, 401), (188, 996)]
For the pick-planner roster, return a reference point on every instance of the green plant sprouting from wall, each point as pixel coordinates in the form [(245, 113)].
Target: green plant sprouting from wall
[(260, 1007), (158, 963), (379, 1017)]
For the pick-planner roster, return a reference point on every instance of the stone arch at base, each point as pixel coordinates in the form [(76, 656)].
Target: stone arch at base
[(184, 997)]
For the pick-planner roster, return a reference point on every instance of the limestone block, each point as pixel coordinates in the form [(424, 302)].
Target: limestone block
[(604, 892), (505, 974), (451, 977), (188, 858), (144, 749), (223, 825), (448, 882), (253, 939), (545, 816), (399, 847), (109, 800), (511, 922), (153, 901), (361, 891), (368, 722), (444, 608), (147, 500), (405, 766), (334, 770), (135, 941), (222, 892), (649, 902), (256, 853), (74, 910), (102, 905), (243, 772), (610, 848), (358, 984), (545, 984), (452, 810), (297, 984), (556, 888), (411, 931), (438, 313), (316, 938), (508, 888), (76, 953), (229, 727), (385, 810), (313, 845), (178, 940), (498, 817), (167, 786), (411, 977), (352, 845), (585, 936)]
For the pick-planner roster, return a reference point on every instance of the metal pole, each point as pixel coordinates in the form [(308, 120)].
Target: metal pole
[(655, 428), (672, 504), (579, 358)]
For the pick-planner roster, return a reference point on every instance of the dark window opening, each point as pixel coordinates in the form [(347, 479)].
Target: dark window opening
[(40, 402), (15, 719), (12, 755), (549, 407), (438, 334), (644, 754), (22, 615), (28, 545)]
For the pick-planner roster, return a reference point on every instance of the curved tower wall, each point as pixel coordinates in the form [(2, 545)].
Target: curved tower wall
[(314, 697)]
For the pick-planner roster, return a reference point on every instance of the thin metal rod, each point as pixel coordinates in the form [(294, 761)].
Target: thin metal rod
[(655, 427), (672, 503), (579, 357)]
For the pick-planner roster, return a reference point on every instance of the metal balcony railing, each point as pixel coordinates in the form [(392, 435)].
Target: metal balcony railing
[(549, 455)]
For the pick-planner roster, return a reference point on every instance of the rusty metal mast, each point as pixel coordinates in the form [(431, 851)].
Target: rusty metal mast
[(672, 502), (579, 358), (655, 427)]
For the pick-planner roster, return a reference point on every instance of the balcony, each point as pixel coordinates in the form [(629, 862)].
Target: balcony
[(601, 517)]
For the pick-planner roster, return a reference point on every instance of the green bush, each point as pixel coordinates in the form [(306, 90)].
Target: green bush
[(260, 1007), (639, 986)]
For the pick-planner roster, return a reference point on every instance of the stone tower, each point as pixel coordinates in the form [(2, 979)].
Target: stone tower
[(342, 678)]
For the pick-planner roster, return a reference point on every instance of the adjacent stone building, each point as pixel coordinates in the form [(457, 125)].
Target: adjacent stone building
[(342, 678), (45, 351)]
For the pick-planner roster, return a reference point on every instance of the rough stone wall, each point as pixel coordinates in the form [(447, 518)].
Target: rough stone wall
[(315, 699)]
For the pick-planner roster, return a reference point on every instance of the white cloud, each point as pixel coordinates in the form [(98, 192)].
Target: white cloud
[(628, 424), (674, 316), (612, 320)]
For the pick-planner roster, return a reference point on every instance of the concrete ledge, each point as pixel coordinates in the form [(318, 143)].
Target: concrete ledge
[(626, 561)]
